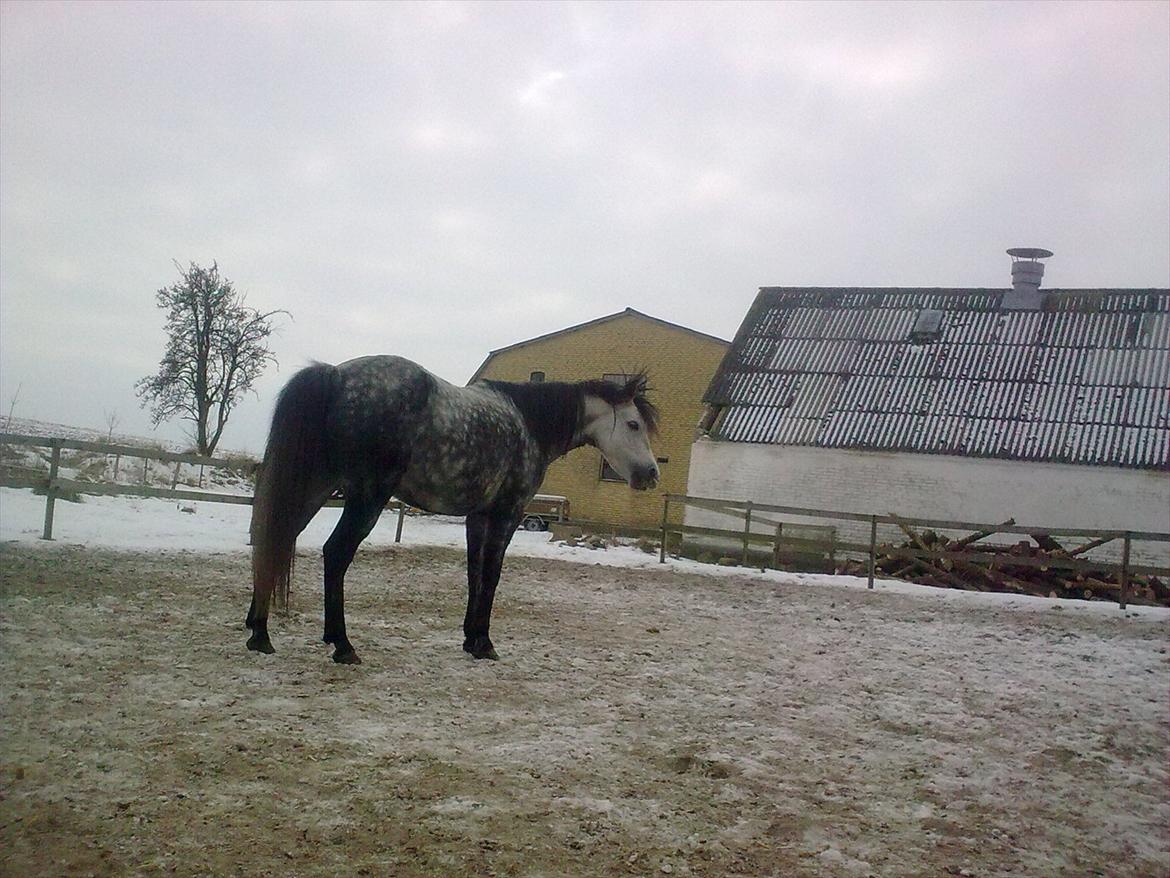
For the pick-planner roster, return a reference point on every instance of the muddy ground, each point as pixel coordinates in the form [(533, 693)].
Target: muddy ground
[(639, 723)]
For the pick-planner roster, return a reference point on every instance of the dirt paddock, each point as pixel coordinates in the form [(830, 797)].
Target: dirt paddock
[(639, 723)]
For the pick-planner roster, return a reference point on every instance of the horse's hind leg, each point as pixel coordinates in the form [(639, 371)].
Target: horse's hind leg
[(357, 520), (259, 641), (257, 619)]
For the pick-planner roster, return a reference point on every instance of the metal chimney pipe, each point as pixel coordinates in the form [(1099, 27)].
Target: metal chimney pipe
[(1027, 273), (1026, 276)]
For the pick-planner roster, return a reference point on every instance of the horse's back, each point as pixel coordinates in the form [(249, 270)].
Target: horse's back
[(380, 401), (388, 389), (448, 448)]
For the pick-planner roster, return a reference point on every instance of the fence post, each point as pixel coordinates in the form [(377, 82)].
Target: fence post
[(662, 548), (747, 530), (401, 515), (51, 490), (872, 548), (1123, 593), (776, 545), (175, 478), (145, 469)]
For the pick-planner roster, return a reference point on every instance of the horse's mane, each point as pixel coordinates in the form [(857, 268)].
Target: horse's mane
[(553, 410)]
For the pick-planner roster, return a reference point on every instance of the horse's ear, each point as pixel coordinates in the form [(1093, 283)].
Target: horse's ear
[(635, 390), (636, 385)]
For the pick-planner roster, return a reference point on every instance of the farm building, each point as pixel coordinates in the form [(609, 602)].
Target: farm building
[(680, 363), (1051, 407)]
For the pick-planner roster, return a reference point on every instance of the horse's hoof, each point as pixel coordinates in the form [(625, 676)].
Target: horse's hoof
[(480, 648), (347, 658), (256, 643)]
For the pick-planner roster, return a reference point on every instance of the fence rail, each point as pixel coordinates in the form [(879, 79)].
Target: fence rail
[(158, 454), (750, 514), (754, 515), (55, 486)]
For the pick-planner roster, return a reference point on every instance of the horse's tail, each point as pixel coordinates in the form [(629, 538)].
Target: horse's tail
[(295, 467)]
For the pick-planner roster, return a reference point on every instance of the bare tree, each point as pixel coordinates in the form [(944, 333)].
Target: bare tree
[(216, 349), (112, 420), (12, 407)]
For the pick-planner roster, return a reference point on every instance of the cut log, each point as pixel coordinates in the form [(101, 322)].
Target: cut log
[(1030, 566), (909, 531), (975, 537), (1090, 545), (1047, 543)]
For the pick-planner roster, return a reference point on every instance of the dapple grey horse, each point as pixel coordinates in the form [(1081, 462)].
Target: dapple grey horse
[(382, 426)]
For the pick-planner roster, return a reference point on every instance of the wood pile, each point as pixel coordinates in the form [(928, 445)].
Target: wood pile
[(1031, 566)]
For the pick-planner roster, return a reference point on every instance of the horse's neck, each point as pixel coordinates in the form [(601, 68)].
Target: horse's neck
[(552, 413), (593, 411)]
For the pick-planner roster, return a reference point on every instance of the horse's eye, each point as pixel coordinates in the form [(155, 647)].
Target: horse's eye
[(633, 425)]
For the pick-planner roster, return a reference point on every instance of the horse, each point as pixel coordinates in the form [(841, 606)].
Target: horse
[(382, 426)]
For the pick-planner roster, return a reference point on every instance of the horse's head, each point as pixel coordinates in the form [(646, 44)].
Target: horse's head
[(619, 420)]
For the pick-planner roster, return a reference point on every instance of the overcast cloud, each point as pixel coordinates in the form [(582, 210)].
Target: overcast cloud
[(439, 180)]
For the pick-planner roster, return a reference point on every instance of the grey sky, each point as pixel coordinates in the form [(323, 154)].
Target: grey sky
[(438, 180)]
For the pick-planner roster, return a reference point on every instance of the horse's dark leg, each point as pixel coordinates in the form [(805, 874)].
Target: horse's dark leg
[(257, 619), (259, 641), (477, 530), (357, 520), (488, 537)]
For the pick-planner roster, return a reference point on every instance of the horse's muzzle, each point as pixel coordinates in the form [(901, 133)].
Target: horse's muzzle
[(644, 478)]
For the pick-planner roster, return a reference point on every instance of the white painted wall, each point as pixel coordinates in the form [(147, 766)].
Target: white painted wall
[(938, 486)]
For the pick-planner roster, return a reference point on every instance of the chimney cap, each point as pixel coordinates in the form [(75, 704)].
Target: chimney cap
[(1029, 253)]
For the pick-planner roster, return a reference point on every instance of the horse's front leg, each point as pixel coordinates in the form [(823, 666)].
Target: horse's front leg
[(477, 531), (488, 537)]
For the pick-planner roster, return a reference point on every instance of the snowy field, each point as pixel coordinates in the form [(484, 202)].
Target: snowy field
[(146, 524), (645, 719)]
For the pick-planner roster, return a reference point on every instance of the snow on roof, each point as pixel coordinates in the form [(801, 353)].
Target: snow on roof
[(1084, 380)]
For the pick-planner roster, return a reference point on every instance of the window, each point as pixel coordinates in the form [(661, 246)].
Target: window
[(536, 377), (928, 326), (1135, 331), (608, 473)]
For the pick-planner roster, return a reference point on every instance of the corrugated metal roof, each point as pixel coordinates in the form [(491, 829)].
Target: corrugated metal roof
[(1086, 380)]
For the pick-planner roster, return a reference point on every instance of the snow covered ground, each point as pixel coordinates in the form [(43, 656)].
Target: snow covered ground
[(645, 719), (32, 427), (151, 525)]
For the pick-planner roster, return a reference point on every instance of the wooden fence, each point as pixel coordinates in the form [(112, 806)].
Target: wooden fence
[(780, 534), (54, 485)]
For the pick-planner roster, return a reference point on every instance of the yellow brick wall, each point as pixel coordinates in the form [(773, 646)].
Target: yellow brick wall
[(680, 364)]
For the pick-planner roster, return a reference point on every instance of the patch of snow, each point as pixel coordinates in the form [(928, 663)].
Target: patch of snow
[(150, 524), (32, 427)]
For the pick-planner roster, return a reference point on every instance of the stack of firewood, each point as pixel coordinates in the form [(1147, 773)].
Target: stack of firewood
[(1027, 567)]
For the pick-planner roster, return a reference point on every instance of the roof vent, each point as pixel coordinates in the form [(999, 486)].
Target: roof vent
[(1027, 272), (927, 326)]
